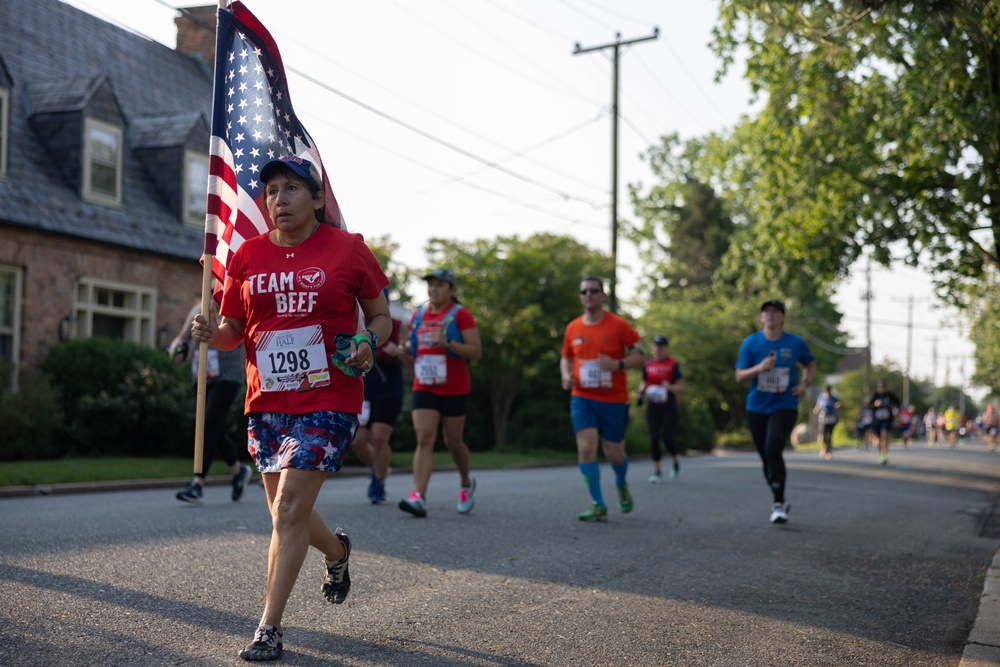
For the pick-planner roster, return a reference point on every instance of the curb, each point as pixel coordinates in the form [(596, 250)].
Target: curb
[(982, 648)]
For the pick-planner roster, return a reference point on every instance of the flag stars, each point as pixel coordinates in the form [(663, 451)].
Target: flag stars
[(243, 86), (253, 184), (257, 135), (243, 104), (242, 120), (238, 152), (243, 69), (240, 137), (254, 168), (255, 152)]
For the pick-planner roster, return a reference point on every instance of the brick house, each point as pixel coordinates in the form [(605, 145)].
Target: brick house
[(104, 140)]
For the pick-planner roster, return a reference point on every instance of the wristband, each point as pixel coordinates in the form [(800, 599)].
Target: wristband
[(621, 364), (361, 338), (374, 338)]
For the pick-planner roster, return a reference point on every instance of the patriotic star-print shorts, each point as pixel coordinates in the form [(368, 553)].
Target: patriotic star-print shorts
[(312, 441)]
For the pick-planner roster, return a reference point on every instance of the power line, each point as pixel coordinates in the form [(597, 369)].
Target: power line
[(495, 193), (523, 154), (499, 63), (442, 142)]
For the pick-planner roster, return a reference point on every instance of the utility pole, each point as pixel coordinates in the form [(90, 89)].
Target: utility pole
[(934, 360), (867, 296), (616, 46), (909, 345)]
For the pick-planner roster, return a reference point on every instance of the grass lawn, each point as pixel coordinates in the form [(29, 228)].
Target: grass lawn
[(29, 473)]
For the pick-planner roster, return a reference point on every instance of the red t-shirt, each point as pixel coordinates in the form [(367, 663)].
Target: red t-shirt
[(583, 342), (442, 373), (311, 287), (658, 371)]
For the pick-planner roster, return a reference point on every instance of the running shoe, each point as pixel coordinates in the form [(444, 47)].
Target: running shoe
[(192, 494), (597, 512), (240, 481), (414, 504), (675, 472), (376, 492), (882, 460), (624, 499), (467, 497), (266, 644), (337, 583), (779, 512), (656, 478)]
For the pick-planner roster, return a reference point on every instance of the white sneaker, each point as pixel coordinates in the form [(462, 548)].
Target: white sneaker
[(779, 512), (656, 478)]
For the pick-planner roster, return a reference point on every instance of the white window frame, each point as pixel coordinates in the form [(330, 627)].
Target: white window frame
[(4, 129), (14, 331), (189, 214), (87, 190), (138, 309)]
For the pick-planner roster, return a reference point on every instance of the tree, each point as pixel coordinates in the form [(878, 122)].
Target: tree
[(522, 293), (685, 230), (985, 332), (881, 128), (399, 275)]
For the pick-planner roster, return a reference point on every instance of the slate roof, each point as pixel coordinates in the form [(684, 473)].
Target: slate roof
[(56, 57)]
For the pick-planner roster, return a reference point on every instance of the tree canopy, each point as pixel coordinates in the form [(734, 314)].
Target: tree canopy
[(881, 128)]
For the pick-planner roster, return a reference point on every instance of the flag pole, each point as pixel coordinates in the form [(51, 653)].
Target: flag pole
[(206, 312)]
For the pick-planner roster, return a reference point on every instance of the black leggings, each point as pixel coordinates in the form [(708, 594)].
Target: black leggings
[(770, 436), (219, 397), (661, 419)]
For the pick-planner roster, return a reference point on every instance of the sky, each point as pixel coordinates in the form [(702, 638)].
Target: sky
[(472, 119)]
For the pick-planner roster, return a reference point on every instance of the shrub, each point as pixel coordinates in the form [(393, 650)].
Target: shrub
[(30, 418), (120, 398)]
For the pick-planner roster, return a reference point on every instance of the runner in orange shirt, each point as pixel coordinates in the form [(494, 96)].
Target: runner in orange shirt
[(597, 348)]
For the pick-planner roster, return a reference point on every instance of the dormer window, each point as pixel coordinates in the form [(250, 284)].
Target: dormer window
[(195, 188), (4, 131), (102, 163)]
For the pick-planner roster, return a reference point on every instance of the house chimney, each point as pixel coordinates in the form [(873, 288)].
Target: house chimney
[(196, 33)]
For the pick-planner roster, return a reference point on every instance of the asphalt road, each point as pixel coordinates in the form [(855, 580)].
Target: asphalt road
[(878, 566)]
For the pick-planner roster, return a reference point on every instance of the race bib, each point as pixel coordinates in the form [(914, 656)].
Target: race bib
[(292, 360), (365, 414), (591, 375), (431, 369), (774, 381), (657, 393), (830, 418), (213, 363), (882, 414)]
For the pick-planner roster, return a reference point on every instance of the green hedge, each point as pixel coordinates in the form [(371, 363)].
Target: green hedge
[(119, 399)]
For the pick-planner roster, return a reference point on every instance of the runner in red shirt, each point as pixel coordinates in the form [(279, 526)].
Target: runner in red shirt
[(443, 339), (288, 294), (661, 382)]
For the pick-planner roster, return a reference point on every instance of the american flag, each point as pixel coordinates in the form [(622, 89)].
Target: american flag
[(252, 123)]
